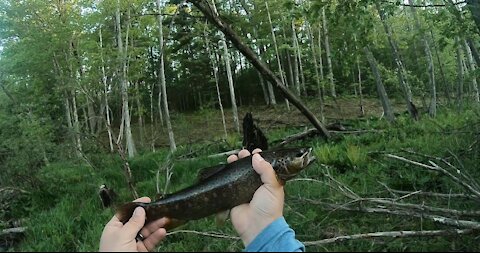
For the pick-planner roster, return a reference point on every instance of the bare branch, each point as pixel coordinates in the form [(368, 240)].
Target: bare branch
[(215, 235), (394, 234), (126, 166), (435, 167), (435, 218)]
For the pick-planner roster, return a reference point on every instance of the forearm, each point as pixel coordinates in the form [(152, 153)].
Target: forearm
[(277, 236)]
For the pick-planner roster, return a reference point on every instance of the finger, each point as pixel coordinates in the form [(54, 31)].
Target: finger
[(232, 158), (243, 153), (265, 170), (135, 223), (141, 247), (257, 150), (143, 199), (152, 241), (154, 226)]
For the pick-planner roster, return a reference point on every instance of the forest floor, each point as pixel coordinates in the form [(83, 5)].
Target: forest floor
[(206, 125), (334, 197)]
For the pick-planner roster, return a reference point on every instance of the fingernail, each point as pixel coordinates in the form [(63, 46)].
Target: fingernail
[(257, 157), (138, 211)]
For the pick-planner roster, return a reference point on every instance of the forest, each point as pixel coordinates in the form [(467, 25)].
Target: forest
[(140, 95)]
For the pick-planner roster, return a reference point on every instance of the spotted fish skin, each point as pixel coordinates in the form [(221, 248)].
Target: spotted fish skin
[(231, 186)]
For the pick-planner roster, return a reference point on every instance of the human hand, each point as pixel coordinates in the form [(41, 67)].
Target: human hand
[(266, 205), (117, 236)]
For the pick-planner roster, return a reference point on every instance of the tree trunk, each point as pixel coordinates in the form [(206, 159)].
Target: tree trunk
[(431, 70), (163, 85), (123, 83), (271, 93), (400, 68), (329, 57), (214, 61), (296, 82), (471, 63), (440, 65), (205, 8), (104, 81), (140, 113), (298, 58), (320, 58), (280, 69), (460, 72), (314, 59), (359, 72), (387, 108), (76, 125)]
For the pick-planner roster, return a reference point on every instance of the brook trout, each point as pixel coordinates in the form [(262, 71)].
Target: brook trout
[(221, 187)]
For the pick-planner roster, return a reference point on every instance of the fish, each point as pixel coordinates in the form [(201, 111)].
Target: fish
[(220, 188)]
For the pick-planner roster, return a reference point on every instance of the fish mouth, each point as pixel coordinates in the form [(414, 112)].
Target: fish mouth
[(308, 157)]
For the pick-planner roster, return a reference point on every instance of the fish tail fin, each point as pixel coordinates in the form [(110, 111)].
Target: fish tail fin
[(125, 212)]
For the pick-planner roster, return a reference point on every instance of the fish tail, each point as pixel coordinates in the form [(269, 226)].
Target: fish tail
[(125, 212)]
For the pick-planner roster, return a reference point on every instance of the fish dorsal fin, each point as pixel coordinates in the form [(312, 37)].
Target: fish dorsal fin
[(206, 173)]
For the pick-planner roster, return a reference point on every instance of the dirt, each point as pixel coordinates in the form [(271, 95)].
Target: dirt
[(207, 125)]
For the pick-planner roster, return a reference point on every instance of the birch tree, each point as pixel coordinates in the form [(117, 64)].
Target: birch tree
[(124, 85), (162, 85)]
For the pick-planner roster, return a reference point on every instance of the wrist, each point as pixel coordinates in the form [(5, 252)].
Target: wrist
[(256, 227)]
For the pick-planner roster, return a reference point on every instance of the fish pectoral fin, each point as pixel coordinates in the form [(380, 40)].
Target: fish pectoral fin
[(280, 180), (206, 173), (174, 223), (221, 218)]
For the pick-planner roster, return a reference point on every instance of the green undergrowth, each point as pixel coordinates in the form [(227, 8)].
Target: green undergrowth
[(64, 212)]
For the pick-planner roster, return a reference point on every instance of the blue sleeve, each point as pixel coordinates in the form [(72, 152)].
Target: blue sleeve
[(276, 237)]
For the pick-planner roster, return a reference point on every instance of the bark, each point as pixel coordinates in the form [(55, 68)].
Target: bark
[(123, 83), (296, 60), (472, 67), (329, 57), (314, 59), (440, 65), (271, 93), (400, 68), (140, 113), (359, 72), (476, 56), (214, 61), (431, 66), (104, 82), (250, 55), (387, 108), (460, 73), (280, 69), (163, 85)]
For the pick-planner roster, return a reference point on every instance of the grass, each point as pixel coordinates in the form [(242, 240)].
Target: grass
[(65, 214)]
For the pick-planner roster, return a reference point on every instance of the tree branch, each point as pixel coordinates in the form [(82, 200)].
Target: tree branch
[(394, 234), (206, 9)]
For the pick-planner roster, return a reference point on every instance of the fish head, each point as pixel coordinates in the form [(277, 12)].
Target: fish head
[(287, 163)]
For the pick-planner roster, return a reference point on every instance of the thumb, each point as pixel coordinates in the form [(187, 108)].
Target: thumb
[(265, 170), (136, 222)]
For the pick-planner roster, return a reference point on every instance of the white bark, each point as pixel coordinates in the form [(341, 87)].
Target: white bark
[(329, 57), (163, 87), (124, 89), (431, 69), (473, 68), (214, 61), (104, 81), (387, 108), (280, 69)]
